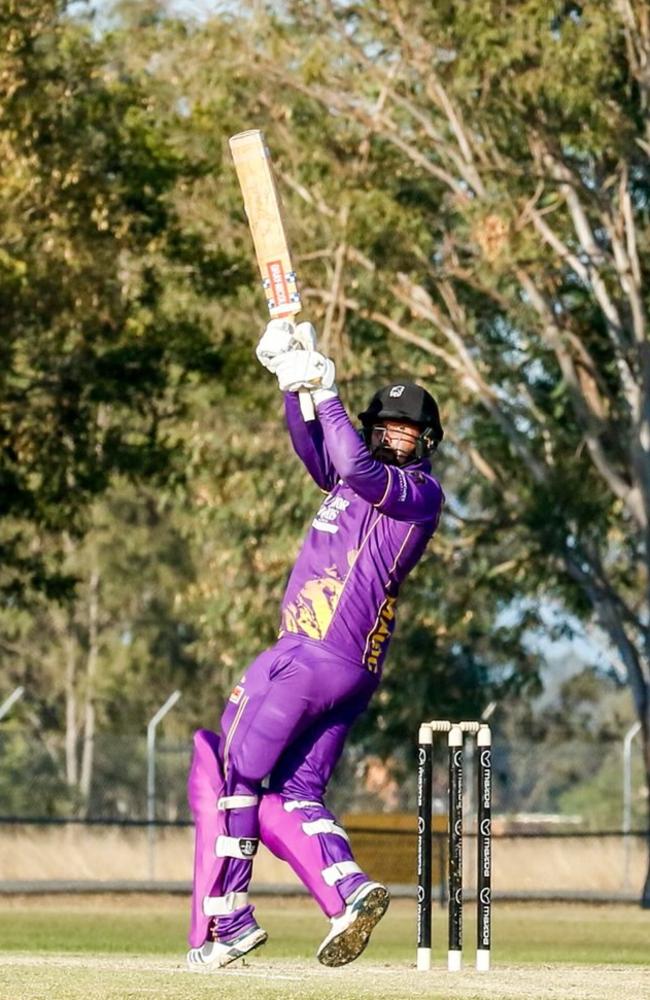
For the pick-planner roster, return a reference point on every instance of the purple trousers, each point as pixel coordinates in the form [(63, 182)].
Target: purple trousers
[(287, 721)]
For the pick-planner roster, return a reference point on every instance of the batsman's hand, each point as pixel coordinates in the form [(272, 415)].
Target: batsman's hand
[(305, 370), (281, 336)]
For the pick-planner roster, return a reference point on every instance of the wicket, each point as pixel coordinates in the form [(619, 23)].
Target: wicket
[(455, 735)]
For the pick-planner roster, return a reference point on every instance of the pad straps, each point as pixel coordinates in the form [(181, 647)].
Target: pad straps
[(244, 848), (336, 872), (221, 906)]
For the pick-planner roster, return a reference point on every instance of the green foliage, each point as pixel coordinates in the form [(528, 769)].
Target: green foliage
[(563, 753), (96, 339), (144, 470), (31, 779)]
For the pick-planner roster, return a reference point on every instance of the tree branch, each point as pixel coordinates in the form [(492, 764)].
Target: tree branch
[(588, 419), (591, 278), (610, 620)]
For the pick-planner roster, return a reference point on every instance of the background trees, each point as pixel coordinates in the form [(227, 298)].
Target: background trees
[(108, 300), (468, 190), (494, 217)]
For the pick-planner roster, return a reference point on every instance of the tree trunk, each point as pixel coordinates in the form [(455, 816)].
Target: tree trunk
[(87, 757), (63, 622), (71, 723), (645, 736)]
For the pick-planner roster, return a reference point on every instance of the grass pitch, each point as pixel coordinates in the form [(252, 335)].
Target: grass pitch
[(123, 948)]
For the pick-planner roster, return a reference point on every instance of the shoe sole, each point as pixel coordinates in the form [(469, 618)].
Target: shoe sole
[(207, 967), (349, 944)]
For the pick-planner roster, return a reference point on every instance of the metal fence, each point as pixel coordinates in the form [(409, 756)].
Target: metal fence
[(82, 855), (569, 819), (573, 786)]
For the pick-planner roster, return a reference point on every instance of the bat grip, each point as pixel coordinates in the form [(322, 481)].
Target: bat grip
[(306, 405)]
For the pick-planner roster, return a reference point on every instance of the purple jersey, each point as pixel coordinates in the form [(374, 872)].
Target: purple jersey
[(369, 532)]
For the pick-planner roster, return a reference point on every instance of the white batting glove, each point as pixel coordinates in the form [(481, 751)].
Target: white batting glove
[(281, 336), (305, 370), (305, 335)]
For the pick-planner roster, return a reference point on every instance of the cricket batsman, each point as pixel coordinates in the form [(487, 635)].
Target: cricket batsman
[(263, 778)]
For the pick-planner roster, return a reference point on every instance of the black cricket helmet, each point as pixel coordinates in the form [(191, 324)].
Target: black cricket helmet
[(406, 401)]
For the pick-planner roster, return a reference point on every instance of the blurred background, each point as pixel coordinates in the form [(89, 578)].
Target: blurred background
[(467, 189)]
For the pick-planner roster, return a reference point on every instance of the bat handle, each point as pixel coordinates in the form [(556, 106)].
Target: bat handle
[(306, 405)]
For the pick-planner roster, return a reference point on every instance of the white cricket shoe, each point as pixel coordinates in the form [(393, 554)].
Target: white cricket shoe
[(351, 931), (215, 954)]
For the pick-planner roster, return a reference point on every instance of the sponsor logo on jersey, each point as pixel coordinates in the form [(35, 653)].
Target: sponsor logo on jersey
[(277, 284), (403, 485), (236, 693), (329, 513), (381, 633)]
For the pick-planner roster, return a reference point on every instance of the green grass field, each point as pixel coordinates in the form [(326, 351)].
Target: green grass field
[(131, 947)]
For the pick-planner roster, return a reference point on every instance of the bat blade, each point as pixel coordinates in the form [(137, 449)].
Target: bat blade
[(265, 219), (266, 222)]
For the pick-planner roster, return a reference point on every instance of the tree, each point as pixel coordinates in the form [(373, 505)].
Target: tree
[(493, 183), (441, 638), (100, 322), (108, 299)]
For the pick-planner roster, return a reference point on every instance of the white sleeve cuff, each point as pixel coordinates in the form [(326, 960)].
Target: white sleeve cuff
[(322, 395)]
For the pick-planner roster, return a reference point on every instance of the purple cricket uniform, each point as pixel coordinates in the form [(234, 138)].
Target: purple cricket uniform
[(288, 717)]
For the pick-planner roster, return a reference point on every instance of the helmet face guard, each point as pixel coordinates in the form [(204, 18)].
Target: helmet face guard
[(411, 403), (425, 444)]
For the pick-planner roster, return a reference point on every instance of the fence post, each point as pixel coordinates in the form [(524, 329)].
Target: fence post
[(151, 778), (627, 799)]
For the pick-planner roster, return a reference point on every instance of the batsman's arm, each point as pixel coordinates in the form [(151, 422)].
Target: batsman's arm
[(406, 495), (309, 444)]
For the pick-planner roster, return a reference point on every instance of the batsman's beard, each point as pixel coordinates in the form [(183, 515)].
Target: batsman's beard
[(389, 456)]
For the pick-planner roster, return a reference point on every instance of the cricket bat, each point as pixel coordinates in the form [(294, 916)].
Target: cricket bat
[(264, 212)]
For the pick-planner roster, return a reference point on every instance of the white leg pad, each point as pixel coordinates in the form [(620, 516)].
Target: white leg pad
[(336, 872), (221, 906), (244, 848), (324, 826)]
